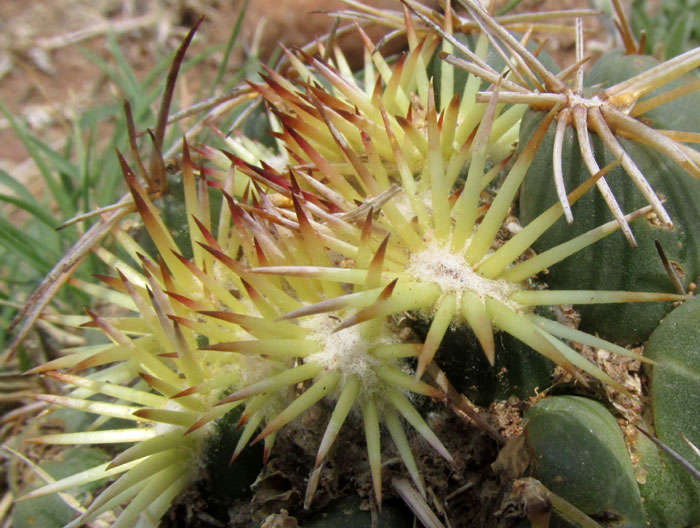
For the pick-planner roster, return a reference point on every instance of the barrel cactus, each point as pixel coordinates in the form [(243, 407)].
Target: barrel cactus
[(448, 255), (149, 359), (334, 277)]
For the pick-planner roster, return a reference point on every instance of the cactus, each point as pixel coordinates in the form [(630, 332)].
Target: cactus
[(297, 291), (671, 495), (347, 513), (581, 456)]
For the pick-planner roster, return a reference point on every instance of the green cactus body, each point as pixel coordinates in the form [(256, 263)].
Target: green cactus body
[(231, 480), (669, 498), (518, 369), (583, 458), (672, 497), (611, 264)]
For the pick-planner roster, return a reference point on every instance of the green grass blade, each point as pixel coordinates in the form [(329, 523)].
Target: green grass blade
[(32, 207), (60, 162), (129, 83), (15, 185), (229, 47), (24, 246), (30, 143)]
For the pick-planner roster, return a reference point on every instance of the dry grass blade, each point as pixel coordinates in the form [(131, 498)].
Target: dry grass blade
[(417, 503), (677, 284), (61, 272), (131, 129), (459, 403), (118, 27), (156, 163), (59, 275)]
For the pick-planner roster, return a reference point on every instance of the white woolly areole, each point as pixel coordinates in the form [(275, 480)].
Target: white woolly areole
[(254, 368), (453, 274), (346, 351)]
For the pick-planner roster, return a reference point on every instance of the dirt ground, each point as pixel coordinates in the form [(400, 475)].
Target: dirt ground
[(46, 77)]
